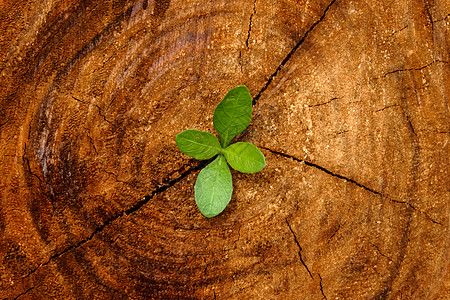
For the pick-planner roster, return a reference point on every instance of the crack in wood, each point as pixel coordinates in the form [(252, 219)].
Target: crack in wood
[(321, 287), (334, 233), (379, 251), (396, 31), (411, 69), (404, 112), (23, 293), (324, 103), (310, 164), (98, 107), (299, 249), (128, 211), (250, 23), (91, 141), (428, 6), (387, 107), (293, 50), (440, 20)]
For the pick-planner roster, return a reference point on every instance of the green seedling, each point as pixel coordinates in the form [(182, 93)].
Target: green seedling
[(214, 187)]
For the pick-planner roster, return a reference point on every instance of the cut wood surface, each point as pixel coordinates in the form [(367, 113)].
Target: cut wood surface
[(350, 109)]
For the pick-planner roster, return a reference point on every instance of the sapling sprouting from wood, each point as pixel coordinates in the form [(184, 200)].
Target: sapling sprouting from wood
[(214, 187)]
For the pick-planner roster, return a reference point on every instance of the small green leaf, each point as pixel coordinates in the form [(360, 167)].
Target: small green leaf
[(213, 187), (245, 157), (198, 144), (233, 114)]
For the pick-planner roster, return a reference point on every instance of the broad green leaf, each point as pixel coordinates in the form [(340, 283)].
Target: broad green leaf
[(233, 114), (213, 187), (198, 144), (245, 157)]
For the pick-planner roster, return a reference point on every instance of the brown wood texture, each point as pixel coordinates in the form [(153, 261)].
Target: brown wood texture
[(351, 111)]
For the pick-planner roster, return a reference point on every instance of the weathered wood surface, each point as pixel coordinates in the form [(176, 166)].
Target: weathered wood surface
[(351, 110)]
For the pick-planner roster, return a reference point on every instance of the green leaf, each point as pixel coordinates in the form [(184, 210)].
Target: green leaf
[(233, 114), (213, 187), (198, 144), (245, 157)]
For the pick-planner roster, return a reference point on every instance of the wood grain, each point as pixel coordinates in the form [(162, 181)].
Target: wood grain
[(350, 109)]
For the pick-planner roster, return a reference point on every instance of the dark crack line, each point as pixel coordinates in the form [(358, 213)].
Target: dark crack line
[(27, 162), (299, 249), (410, 124), (240, 61), (42, 182), (310, 164), (111, 102), (335, 134), (405, 114), (321, 287), (440, 20), (23, 293), (79, 100), (250, 23), (334, 233), (92, 144), (289, 55), (387, 107), (102, 115), (324, 103), (166, 186), (103, 63), (98, 107), (379, 251), (397, 31), (128, 211), (430, 17), (206, 267), (412, 69)]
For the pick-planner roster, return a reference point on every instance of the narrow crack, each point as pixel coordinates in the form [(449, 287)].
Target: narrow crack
[(128, 211), (250, 24), (335, 134), (379, 251), (23, 293), (442, 19), (321, 287), (27, 163), (396, 31), (79, 100), (98, 107), (105, 61), (387, 107), (410, 124), (102, 115), (405, 114), (43, 184), (299, 249), (430, 17), (289, 55), (324, 103), (412, 69), (206, 267), (92, 144), (334, 233), (310, 164), (240, 61)]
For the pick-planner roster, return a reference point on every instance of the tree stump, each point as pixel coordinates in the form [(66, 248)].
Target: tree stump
[(350, 109)]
